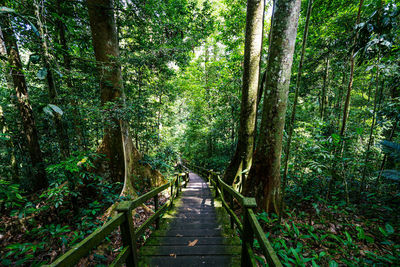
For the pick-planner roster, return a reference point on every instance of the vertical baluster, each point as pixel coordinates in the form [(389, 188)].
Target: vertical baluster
[(187, 178), (172, 193), (248, 235), (155, 210), (177, 185), (231, 204), (128, 233), (216, 184), (222, 189)]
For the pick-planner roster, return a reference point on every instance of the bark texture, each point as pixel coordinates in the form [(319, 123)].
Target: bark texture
[(38, 179), (242, 158), (104, 37), (291, 124), (264, 177), (3, 124), (123, 159), (324, 93)]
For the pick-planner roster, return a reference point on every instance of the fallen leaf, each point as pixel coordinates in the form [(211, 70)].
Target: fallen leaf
[(179, 235), (194, 242), (172, 255)]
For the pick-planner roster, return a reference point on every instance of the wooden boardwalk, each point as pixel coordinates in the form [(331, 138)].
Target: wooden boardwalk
[(193, 233)]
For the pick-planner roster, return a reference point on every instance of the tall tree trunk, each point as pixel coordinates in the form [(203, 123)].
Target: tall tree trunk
[(350, 85), (39, 179), (291, 124), (123, 159), (264, 177), (10, 147), (338, 104), (61, 130), (233, 126), (260, 93), (104, 36), (3, 124), (324, 95), (242, 159)]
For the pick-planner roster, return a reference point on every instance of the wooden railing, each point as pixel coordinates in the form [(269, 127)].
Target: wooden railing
[(248, 225), (123, 219)]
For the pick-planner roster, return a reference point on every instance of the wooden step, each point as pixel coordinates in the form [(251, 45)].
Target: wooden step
[(193, 220), (190, 233), (168, 241), (191, 261), (196, 250)]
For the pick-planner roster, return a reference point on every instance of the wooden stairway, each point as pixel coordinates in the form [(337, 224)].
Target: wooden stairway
[(195, 228), (194, 233)]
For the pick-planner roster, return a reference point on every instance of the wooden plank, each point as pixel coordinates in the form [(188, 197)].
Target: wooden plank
[(140, 200), (180, 250), (120, 259), (85, 246), (190, 233), (184, 240), (266, 247), (190, 261), (194, 220)]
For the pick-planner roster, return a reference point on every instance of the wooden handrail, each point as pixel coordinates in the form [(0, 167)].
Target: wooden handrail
[(249, 228), (123, 219)]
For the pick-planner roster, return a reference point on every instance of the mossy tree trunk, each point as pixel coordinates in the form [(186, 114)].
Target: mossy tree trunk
[(104, 37), (3, 124), (291, 123), (324, 92), (242, 158), (122, 157), (264, 177), (39, 179)]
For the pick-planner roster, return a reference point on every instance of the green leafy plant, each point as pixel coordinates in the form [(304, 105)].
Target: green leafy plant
[(10, 195)]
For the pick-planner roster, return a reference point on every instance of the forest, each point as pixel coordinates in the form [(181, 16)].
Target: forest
[(293, 102)]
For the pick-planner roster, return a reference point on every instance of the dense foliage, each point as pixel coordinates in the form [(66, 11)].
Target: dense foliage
[(182, 64)]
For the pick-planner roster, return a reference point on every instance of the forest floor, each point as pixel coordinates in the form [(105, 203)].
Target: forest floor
[(313, 232), (37, 231), (333, 233)]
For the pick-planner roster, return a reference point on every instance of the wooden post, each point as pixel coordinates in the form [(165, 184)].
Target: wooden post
[(248, 235), (172, 193), (216, 187), (177, 185), (222, 189), (155, 210), (231, 203), (128, 234), (187, 179)]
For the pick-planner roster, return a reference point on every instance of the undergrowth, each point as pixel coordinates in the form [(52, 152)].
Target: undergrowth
[(315, 231)]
